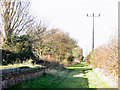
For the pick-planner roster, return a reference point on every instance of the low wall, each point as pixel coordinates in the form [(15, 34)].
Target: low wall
[(12, 76)]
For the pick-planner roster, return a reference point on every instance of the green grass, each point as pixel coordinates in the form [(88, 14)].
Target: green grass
[(25, 63), (71, 77), (82, 64), (18, 65)]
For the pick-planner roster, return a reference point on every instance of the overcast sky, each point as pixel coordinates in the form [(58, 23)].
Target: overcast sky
[(70, 16)]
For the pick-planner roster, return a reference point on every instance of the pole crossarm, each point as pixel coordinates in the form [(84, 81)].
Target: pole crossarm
[(93, 16), (93, 29)]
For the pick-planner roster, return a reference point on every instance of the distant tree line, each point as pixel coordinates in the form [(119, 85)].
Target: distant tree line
[(24, 37)]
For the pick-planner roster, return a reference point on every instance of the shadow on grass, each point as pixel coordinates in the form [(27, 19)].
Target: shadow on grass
[(65, 78), (75, 79)]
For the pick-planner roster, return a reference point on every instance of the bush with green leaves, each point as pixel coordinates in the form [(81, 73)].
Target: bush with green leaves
[(58, 46), (19, 48)]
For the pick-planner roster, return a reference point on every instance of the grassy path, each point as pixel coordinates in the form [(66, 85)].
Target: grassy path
[(77, 76)]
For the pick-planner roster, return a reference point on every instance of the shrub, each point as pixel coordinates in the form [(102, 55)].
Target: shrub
[(105, 57), (19, 48), (77, 52)]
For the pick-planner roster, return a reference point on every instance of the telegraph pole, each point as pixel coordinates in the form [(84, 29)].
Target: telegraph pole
[(93, 29)]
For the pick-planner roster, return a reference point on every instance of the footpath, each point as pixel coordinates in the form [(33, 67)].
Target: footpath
[(77, 76)]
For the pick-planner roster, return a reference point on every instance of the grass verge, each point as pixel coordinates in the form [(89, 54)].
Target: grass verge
[(19, 64), (71, 77)]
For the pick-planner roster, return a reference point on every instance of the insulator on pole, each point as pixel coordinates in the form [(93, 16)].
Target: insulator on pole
[(87, 15), (99, 15)]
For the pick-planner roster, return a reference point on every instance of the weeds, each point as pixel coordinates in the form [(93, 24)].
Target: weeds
[(18, 63)]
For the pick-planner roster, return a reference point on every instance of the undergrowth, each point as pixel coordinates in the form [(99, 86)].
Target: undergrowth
[(18, 63)]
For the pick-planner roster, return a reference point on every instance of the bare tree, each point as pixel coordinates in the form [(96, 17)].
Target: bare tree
[(16, 18)]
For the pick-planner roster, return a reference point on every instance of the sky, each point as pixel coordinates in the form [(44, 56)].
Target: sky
[(70, 16)]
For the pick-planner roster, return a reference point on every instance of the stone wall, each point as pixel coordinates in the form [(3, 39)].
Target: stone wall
[(12, 76)]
